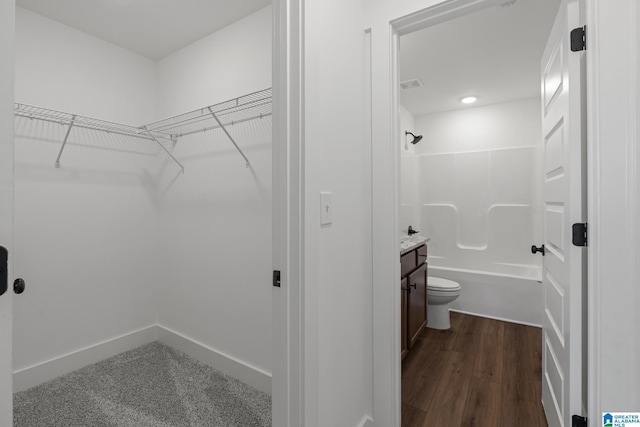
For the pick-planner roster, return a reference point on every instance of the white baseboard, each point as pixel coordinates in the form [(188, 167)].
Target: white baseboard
[(502, 319), (226, 364), (42, 372), (366, 422)]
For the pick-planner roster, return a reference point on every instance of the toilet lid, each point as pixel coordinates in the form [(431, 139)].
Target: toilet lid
[(438, 283)]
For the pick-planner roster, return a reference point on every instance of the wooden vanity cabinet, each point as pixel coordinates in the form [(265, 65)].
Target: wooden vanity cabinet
[(413, 287), (408, 263), (417, 303), (404, 341)]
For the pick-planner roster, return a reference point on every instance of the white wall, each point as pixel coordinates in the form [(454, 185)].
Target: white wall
[(338, 160), (479, 174), (233, 61), (506, 125), (65, 69), (410, 180), (216, 222), (407, 123), (86, 234)]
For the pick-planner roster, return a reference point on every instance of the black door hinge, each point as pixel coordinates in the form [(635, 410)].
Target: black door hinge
[(579, 39), (579, 234), (578, 421), (276, 278)]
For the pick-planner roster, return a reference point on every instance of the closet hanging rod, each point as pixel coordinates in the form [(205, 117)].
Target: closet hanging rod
[(256, 105), (237, 110), (218, 116), (84, 126), (235, 122), (73, 121), (237, 114), (33, 112)]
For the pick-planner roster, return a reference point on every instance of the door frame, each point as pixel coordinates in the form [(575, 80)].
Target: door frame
[(292, 395), (7, 35), (386, 157), (288, 379), (613, 182)]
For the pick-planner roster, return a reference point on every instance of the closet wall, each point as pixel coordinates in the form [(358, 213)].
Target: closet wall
[(106, 250), (217, 216), (85, 234)]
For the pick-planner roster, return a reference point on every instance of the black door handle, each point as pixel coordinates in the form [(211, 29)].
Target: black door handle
[(540, 249), (18, 286), (4, 273)]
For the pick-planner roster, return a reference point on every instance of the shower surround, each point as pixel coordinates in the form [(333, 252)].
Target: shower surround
[(479, 203)]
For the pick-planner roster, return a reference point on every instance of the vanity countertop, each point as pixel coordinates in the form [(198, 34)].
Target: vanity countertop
[(409, 243)]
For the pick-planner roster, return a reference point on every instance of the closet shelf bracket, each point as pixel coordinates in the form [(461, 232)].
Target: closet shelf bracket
[(153, 138), (224, 129), (64, 142)]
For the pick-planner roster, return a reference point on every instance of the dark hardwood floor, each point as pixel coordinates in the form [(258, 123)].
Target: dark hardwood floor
[(481, 372)]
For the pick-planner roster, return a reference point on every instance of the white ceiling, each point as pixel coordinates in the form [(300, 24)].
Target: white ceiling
[(153, 28), (493, 54)]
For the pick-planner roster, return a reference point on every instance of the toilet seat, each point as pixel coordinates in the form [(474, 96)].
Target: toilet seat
[(442, 285)]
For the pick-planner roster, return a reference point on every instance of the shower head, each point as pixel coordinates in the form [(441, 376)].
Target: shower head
[(416, 138)]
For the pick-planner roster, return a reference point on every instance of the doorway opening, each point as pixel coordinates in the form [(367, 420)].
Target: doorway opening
[(142, 169), (470, 88)]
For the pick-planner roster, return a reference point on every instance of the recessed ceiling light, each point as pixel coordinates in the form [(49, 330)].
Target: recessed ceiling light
[(469, 100)]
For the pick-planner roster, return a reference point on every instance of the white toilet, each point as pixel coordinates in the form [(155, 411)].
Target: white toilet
[(440, 292)]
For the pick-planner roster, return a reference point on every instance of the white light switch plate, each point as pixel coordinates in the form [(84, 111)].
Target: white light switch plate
[(326, 208)]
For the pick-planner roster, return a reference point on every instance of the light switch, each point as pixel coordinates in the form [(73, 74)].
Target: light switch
[(326, 208)]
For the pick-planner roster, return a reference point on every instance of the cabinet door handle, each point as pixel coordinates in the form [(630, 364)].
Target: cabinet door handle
[(414, 286)]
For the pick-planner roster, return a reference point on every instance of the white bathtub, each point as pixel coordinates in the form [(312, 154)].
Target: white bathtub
[(510, 292)]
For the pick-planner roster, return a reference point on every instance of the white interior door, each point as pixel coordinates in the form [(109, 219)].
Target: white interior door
[(7, 18), (563, 204)]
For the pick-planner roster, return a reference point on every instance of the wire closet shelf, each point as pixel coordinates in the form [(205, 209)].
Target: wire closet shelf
[(256, 105)]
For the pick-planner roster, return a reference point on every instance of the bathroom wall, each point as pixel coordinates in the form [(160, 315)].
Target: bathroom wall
[(479, 174), (85, 234), (409, 179), (216, 218)]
